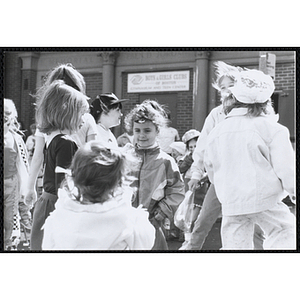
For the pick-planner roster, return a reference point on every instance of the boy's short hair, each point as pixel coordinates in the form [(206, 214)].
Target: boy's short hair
[(61, 107), (148, 110), (97, 171)]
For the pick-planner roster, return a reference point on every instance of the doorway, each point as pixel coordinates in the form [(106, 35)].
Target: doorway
[(169, 101)]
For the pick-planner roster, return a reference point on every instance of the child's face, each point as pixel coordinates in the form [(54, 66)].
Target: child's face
[(115, 116), (225, 83), (7, 119), (144, 134), (192, 145)]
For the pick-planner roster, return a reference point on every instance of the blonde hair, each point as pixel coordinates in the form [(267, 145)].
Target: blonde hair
[(10, 111), (223, 70), (61, 107), (68, 74)]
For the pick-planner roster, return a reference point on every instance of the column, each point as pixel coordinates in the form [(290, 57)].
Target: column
[(201, 89), (109, 59), (28, 87)]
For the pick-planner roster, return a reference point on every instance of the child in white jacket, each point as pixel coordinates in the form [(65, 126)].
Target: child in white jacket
[(250, 160), (94, 211)]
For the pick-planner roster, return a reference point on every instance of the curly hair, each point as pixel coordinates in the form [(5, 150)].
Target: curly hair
[(148, 110), (98, 171)]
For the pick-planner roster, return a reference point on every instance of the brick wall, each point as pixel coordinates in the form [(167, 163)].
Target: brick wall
[(93, 84), (27, 103), (285, 76), (184, 105), (12, 78)]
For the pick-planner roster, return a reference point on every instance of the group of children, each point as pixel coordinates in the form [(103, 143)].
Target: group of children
[(98, 196)]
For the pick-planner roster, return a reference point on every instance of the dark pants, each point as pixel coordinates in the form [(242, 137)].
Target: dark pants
[(42, 209)]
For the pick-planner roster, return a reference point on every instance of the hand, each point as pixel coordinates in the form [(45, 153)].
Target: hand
[(293, 199), (30, 198), (193, 184)]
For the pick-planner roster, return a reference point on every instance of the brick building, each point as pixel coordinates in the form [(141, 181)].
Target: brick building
[(179, 79)]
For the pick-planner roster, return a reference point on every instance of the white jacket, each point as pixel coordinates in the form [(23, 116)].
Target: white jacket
[(215, 117), (251, 162), (113, 225)]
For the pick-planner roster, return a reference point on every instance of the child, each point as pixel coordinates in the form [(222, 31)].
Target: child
[(159, 183), (59, 113), (94, 211), (15, 172), (250, 160), (87, 132), (107, 112), (30, 142), (190, 139), (211, 208), (178, 150)]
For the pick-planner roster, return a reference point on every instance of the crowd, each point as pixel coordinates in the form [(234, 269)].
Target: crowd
[(74, 186)]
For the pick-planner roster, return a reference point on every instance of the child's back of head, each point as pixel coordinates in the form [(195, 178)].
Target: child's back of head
[(97, 172), (61, 107)]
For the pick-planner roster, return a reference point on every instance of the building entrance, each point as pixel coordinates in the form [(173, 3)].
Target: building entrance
[(169, 100)]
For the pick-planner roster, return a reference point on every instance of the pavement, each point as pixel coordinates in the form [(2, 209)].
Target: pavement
[(212, 242)]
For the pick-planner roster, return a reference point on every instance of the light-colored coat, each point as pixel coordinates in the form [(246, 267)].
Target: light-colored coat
[(251, 162), (112, 225)]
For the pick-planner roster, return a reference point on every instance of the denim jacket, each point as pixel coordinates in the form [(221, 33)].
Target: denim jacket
[(251, 162)]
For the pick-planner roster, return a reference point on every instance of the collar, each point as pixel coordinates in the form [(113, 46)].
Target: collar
[(153, 149), (240, 111), (121, 197)]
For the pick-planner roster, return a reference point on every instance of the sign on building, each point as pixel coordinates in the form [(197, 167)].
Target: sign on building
[(267, 63), (158, 82)]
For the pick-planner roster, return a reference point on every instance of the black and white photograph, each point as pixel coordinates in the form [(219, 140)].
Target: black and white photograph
[(149, 149)]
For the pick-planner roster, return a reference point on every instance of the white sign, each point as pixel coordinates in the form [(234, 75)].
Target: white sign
[(271, 64), (158, 82)]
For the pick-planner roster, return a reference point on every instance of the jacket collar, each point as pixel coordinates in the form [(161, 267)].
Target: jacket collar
[(242, 111), (122, 197), (152, 150)]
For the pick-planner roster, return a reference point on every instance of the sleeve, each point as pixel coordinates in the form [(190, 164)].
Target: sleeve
[(92, 127), (143, 231), (64, 154), (48, 240), (283, 160), (185, 163), (197, 168), (174, 191), (177, 137)]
